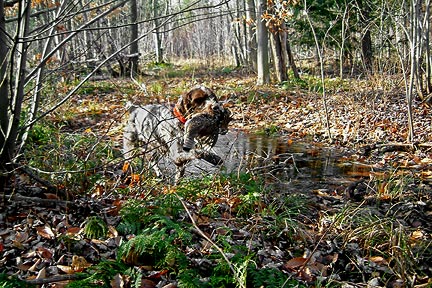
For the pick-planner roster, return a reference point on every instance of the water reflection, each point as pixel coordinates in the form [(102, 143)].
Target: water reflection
[(282, 158)]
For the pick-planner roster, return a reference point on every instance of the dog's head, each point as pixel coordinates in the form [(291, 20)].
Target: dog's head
[(198, 100)]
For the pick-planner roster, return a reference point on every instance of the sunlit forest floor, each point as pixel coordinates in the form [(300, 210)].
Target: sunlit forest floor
[(368, 228)]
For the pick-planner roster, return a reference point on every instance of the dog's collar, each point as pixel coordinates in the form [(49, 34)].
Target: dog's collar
[(179, 115)]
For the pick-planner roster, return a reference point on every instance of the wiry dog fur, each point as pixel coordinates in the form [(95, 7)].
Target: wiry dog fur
[(182, 133)]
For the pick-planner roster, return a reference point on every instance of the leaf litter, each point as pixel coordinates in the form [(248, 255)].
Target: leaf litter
[(333, 238)]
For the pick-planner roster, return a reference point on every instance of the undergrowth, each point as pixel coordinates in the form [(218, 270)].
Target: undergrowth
[(160, 239)]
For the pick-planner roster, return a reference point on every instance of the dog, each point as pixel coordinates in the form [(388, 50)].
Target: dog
[(181, 133)]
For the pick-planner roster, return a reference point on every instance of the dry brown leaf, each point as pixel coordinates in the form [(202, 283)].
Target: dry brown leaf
[(113, 231), (45, 232), (295, 263), (117, 281), (44, 252), (73, 231), (79, 263), (417, 235), (34, 266), (41, 274), (66, 269), (378, 260), (51, 196)]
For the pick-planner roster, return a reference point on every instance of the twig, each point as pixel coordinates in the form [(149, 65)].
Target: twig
[(210, 241), (58, 278), (36, 199)]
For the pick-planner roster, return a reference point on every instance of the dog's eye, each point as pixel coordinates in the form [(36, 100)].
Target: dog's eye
[(198, 101)]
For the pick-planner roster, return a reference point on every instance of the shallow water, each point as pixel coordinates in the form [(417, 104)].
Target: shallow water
[(282, 158), (294, 165)]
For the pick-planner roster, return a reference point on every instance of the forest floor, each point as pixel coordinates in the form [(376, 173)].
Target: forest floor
[(372, 228)]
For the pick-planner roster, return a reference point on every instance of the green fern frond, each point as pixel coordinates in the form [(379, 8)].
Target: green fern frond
[(95, 228), (103, 273)]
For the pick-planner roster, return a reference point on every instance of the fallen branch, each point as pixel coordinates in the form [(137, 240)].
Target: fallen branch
[(58, 278), (18, 197)]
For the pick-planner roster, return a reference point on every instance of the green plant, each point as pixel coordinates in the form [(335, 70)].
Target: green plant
[(271, 130), (7, 281), (380, 235), (133, 214), (101, 275), (270, 278), (155, 242), (95, 228)]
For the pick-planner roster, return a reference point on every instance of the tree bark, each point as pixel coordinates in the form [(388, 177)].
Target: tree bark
[(5, 151), (11, 106), (262, 51), (291, 60), (366, 40), (156, 32), (278, 57), (251, 37), (134, 50)]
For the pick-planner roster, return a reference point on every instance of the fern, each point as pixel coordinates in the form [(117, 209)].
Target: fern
[(103, 273), (270, 278), (155, 246), (7, 281), (188, 279), (95, 228)]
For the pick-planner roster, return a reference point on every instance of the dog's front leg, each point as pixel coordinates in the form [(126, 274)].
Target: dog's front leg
[(182, 159)]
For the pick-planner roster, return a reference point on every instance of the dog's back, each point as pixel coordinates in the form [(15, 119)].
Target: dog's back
[(150, 127)]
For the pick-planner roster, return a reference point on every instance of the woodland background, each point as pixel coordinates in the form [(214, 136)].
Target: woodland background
[(352, 74)]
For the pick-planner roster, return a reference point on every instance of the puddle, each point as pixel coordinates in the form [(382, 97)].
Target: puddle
[(284, 159), (292, 167)]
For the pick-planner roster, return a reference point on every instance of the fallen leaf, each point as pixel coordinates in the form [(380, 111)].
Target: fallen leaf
[(45, 232), (416, 235), (44, 253), (71, 231), (66, 269), (378, 260), (295, 263), (79, 263), (41, 274)]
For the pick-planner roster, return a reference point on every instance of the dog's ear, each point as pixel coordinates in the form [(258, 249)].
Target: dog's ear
[(194, 99)]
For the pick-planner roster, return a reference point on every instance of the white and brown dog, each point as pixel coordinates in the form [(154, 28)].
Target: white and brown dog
[(181, 133)]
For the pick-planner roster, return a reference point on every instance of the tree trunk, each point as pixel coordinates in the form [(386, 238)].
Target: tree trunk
[(367, 51), (262, 41), (291, 60), (5, 151), (427, 51), (278, 57), (366, 41), (134, 38), (251, 46), (10, 110), (156, 33)]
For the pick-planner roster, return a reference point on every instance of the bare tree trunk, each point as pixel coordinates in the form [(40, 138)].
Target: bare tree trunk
[(6, 153), (21, 52), (414, 14), (251, 38), (366, 40), (11, 106), (291, 60), (134, 38), (156, 32), (427, 50), (34, 105), (262, 41), (278, 57)]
